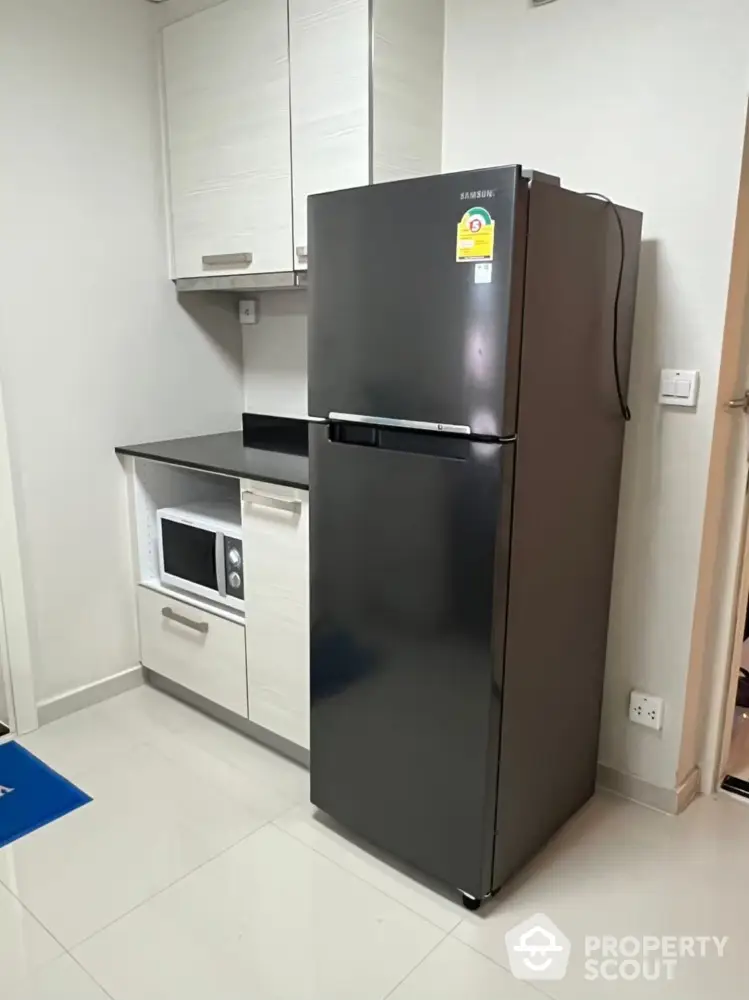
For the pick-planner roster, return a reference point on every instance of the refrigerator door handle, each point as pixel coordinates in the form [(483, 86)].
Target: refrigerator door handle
[(410, 425)]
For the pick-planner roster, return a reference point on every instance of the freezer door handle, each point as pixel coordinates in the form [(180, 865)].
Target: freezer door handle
[(406, 425)]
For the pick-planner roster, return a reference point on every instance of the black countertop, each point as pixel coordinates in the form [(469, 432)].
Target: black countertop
[(272, 450)]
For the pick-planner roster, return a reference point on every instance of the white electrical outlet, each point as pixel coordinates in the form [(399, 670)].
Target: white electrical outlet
[(248, 312), (646, 710)]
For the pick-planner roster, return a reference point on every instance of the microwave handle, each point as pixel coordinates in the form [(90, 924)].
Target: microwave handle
[(220, 564)]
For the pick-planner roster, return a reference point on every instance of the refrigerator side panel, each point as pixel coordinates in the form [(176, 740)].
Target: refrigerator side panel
[(567, 475)]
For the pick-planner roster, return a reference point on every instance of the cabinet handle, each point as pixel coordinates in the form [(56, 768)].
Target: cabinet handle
[(173, 616), (301, 253), (276, 503), (226, 259)]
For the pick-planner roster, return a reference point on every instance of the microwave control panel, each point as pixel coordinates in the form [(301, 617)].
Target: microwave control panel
[(234, 567)]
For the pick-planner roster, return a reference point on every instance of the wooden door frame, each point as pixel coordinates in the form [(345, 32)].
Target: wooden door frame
[(723, 580)]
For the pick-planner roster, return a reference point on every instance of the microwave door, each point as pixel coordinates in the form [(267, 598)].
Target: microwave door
[(220, 563), (190, 557)]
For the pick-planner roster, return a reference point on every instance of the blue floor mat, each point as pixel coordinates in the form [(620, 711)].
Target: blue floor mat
[(31, 794)]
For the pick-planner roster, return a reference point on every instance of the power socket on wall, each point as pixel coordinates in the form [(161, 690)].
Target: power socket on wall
[(248, 312), (646, 710)]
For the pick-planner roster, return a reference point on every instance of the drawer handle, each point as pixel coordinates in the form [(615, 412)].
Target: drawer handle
[(275, 503), (226, 259), (174, 616)]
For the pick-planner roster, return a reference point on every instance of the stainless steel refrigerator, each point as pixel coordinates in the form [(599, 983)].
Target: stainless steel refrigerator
[(469, 348)]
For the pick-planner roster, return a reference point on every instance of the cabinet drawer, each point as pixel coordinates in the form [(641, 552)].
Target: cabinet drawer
[(195, 648), (275, 523)]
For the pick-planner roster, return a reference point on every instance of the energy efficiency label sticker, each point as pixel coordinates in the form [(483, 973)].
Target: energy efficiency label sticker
[(475, 237)]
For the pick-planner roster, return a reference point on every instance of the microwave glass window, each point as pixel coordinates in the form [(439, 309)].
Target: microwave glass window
[(189, 553)]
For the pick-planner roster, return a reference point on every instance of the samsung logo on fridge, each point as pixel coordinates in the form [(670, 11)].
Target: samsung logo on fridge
[(475, 195)]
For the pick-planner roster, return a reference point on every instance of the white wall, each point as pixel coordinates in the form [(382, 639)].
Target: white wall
[(175, 10), (95, 350), (4, 701), (275, 356), (645, 102)]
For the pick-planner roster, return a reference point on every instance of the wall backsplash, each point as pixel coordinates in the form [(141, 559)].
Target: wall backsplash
[(275, 356)]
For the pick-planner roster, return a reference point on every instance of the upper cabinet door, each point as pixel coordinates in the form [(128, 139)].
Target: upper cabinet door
[(408, 43), (330, 96), (226, 76)]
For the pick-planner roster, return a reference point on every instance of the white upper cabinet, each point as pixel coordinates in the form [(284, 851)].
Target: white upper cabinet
[(269, 101), (408, 42), (329, 102), (366, 96), (226, 82)]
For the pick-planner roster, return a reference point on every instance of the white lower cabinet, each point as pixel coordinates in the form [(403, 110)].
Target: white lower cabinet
[(199, 650), (275, 526)]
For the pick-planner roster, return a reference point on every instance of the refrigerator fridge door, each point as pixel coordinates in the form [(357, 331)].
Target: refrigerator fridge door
[(416, 294), (409, 535)]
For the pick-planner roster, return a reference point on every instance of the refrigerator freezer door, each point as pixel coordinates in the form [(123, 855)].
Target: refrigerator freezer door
[(399, 326), (408, 557)]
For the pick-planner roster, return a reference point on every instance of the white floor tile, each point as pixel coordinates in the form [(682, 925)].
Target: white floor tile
[(301, 909), (24, 944), (152, 820), (172, 788), (146, 710), (187, 736), (270, 919), (342, 847), (112, 728), (146, 716), (278, 782), (74, 744), (622, 870), (62, 979), (455, 972)]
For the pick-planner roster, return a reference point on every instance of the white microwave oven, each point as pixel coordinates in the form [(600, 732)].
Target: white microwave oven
[(200, 551)]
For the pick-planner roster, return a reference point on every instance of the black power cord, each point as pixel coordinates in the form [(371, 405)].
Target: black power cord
[(626, 412)]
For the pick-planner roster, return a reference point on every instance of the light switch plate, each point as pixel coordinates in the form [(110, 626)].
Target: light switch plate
[(679, 387)]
